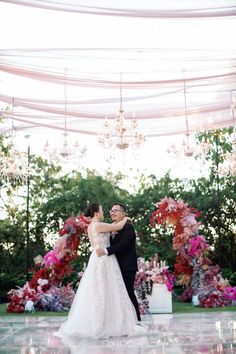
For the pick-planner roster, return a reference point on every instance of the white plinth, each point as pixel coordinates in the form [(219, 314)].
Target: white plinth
[(161, 299)]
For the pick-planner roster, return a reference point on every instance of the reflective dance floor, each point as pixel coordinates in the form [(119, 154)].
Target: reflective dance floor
[(213, 332)]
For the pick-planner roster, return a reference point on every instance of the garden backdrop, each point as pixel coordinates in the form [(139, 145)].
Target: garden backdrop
[(55, 196)]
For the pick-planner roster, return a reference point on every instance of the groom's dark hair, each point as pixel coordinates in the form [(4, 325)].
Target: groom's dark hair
[(122, 206)]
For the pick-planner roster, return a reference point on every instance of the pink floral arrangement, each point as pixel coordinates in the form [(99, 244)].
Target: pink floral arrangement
[(160, 275), (45, 288), (19, 297), (151, 272), (170, 211)]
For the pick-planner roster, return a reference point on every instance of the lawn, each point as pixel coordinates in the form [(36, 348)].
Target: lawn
[(178, 307)]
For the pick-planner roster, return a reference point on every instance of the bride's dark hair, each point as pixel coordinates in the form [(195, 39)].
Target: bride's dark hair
[(92, 209)]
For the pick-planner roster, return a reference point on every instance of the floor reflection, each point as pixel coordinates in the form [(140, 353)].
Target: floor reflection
[(178, 333)]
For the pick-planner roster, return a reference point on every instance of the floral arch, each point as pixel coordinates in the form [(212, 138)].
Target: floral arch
[(193, 268)]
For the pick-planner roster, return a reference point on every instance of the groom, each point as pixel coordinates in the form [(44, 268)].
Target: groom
[(123, 246)]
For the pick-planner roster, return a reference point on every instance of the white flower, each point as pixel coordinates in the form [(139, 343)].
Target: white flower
[(29, 306), (42, 281)]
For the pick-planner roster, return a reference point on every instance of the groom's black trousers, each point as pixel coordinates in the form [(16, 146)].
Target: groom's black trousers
[(129, 277)]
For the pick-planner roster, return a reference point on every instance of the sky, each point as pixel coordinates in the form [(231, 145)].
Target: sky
[(25, 27)]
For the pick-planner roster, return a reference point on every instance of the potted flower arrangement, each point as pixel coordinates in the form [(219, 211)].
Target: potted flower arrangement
[(151, 278)]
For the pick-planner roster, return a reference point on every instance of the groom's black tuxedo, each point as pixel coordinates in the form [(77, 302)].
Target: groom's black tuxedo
[(123, 246)]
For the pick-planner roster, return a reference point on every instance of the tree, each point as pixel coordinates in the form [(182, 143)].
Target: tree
[(221, 202)]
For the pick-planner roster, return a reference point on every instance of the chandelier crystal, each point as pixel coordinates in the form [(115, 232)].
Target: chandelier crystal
[(14, 164), (68, 151), (119, 133), (188, 148), (228, 167)]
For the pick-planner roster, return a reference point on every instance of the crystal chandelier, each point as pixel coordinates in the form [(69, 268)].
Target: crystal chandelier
[(228, 167), (188, 148), (14, 164), (118, 133), (67, 152)]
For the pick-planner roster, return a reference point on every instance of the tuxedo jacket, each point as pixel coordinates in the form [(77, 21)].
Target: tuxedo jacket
[(123, 245)]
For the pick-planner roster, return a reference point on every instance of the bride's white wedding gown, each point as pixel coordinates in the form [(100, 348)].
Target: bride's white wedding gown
[(101, 307)]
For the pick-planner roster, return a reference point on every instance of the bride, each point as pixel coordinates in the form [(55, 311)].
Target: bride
[(101, 307)]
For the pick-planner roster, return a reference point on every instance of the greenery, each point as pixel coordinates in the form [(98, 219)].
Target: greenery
[(178, 307), (54, 197)]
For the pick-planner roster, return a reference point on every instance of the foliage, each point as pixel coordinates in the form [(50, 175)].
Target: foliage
[(54, 197), (220, 200)]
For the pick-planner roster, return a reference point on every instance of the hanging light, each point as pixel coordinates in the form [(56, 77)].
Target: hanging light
[(187, 148), (67, 151), (228, 167), (14, 164), (118, 133)]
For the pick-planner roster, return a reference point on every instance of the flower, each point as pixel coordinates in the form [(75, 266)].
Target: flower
[(187, 295), (51, 258), (146, 276), (213, 298), (44, 289), (169, 211), (114, 233), (19, 298), (39, 261), (189, 220), (60, 247), (197, 246)]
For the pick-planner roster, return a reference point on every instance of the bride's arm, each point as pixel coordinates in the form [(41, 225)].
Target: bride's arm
[(105, 227)]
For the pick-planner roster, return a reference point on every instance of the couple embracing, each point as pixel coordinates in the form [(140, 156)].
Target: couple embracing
[(105, 304)]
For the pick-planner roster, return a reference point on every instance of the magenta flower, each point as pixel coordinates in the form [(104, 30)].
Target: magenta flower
[(51, 258), (197, 246)]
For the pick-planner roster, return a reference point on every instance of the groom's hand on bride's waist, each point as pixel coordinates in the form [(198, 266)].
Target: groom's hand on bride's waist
[(101, 251)]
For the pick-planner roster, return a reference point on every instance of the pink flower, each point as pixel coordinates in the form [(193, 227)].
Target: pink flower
[(51, 258), (189, 220), (228, 289), (169, 286), (197, 246), (231, 296), (60, 247)]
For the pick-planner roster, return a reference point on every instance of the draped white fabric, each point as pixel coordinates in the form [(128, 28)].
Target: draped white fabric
[(33, 79), (139, 8)]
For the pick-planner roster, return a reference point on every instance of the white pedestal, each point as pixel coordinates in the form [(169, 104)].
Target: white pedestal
[(161, 299)]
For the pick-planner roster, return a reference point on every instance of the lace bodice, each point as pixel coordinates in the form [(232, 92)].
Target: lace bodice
[(99, 239)]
